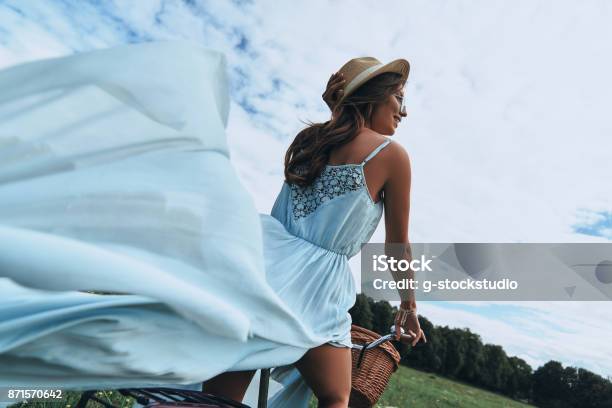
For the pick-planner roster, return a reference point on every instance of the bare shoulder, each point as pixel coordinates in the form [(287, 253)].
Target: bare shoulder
[(397, 158), (393, 158)]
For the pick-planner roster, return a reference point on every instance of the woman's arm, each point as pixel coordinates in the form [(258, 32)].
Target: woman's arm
[(397, 210)]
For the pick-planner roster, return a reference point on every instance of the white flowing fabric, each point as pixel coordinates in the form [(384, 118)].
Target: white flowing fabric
[(115, 177)]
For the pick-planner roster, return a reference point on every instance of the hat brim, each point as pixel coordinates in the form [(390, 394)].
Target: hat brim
[(398, 66)]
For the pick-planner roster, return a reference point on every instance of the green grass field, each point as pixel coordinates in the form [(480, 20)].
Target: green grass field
[(412, 388), (407, 388)]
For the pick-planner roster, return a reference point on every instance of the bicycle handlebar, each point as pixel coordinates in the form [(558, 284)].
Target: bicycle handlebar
[(390, 336)]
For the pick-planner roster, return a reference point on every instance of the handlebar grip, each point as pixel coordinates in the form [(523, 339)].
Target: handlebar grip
[(404, 338)]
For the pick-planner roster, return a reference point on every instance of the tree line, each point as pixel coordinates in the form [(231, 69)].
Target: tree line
[(460, 354)]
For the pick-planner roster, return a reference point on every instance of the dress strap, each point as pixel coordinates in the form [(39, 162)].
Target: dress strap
[(375, 151)]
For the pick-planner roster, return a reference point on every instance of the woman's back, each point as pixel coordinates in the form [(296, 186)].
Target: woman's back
[(336, 211), (356, 150)]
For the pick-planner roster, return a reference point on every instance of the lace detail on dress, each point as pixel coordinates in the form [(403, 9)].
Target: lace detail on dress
[(331, 183)]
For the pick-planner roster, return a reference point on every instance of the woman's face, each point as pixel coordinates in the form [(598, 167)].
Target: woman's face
[(387, 116)]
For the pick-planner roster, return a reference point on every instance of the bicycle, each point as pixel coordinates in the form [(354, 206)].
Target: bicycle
[(161, 397)]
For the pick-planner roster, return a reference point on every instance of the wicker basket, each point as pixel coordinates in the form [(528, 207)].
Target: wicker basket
[(371, 376)]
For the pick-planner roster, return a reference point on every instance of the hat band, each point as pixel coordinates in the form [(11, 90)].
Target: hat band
[(359, 78)]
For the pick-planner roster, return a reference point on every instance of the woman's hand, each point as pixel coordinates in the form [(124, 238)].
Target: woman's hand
[(409, 321), (333, 91)]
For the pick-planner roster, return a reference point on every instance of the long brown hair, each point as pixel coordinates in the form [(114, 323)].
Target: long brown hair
[(309, 152)]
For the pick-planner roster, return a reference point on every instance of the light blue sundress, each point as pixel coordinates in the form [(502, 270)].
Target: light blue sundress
[(115, 177), (308, 239)]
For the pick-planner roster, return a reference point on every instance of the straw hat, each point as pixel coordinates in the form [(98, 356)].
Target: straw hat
[(358, 71)]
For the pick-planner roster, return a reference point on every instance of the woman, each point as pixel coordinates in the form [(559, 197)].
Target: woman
[(329, 160), (116, 178)]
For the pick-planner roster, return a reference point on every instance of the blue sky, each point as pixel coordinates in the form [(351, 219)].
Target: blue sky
[(507, 128)]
